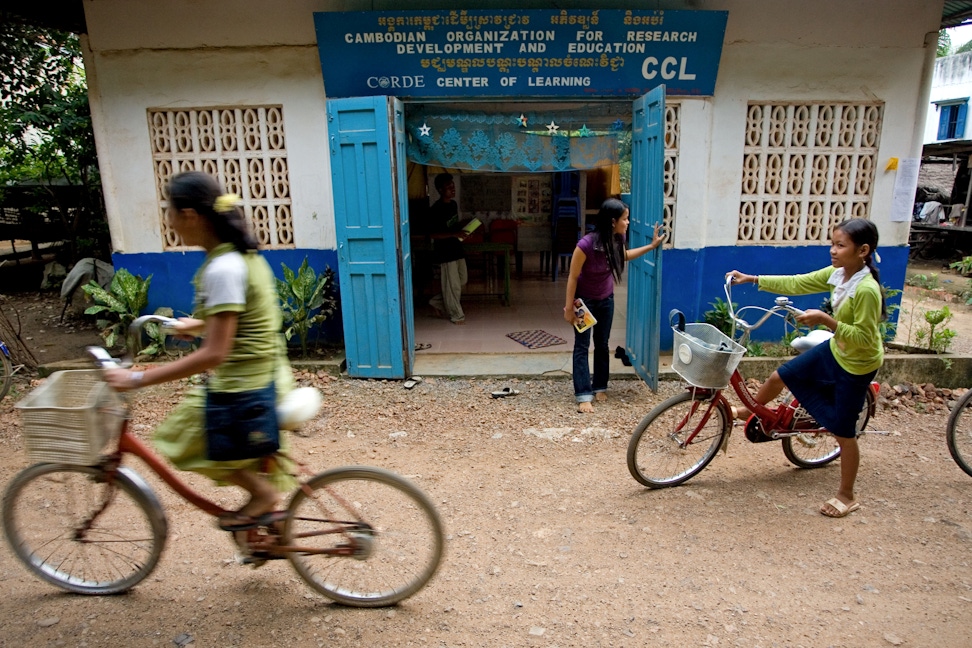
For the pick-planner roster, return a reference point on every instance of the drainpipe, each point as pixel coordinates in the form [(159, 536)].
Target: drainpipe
[(924, 94)]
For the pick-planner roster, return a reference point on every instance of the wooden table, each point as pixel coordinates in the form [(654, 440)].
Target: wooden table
[(939, 241), (489, 250)]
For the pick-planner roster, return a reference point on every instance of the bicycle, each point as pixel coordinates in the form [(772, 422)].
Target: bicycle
[(361, 536), (958, 434), (679, 437)]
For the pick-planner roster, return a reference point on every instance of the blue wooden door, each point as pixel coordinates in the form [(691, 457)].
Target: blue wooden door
[(647, 205), (371, 218)]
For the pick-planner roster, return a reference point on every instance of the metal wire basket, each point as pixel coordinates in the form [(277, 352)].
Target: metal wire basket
[(71, 418), (704, 356)]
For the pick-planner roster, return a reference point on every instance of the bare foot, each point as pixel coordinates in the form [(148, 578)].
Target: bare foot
[(600, 397), (586, 407), (461, 322)]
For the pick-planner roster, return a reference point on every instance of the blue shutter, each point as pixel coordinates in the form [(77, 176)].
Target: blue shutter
[(960, 121), (943, 114), (647, 203), (367, 172)]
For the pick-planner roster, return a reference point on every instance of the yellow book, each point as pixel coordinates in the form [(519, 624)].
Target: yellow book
[(582, 313), (472, 226)]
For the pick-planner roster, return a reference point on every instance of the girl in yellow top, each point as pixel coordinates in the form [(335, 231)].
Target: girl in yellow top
[(831, 380), (238, 309)]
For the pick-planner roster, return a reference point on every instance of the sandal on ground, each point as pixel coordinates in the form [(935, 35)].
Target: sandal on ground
[(506, 391), (841, 508), (233, 522)]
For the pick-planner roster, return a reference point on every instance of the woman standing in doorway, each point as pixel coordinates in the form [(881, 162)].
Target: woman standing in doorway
[(597, 263)]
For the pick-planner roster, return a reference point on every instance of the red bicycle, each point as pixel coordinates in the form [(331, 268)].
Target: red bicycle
[(679, 438), (82, 521)]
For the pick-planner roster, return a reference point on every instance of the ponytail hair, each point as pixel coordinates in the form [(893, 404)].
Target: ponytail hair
[(201, 192), (611, 210), (862, 231)]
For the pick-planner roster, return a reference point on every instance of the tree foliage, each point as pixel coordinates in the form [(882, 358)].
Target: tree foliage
[(46, 137), (944, 43)]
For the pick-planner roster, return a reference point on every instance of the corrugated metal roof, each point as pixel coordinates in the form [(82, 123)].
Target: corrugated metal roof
[(956, 12)]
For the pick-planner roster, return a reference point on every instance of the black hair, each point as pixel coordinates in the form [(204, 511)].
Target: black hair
[(863, 232), (442, 180), (199, 191), (611, 210)]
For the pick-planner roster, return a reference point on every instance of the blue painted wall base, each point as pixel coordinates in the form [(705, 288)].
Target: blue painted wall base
[(172, 274)]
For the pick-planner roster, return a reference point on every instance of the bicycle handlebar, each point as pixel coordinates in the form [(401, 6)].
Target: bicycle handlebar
[(105, 360), (782, 304)]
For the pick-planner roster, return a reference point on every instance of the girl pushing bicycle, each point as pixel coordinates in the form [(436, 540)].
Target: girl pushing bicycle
[(831, 380), (237, 308)]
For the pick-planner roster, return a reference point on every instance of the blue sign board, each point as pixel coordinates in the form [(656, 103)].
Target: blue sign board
[(537, 53)]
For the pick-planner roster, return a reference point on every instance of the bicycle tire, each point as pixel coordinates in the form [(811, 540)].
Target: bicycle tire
[(6, 373), (655, 456), (399, 533), (45, 508), (958, 434), (813, 450)]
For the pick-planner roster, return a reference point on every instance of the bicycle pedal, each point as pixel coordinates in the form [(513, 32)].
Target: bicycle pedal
[(754, 431)]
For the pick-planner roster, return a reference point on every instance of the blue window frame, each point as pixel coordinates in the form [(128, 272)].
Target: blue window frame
[(951, 120)]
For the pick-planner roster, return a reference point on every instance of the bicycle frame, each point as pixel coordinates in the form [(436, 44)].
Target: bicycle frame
[(128, 443)]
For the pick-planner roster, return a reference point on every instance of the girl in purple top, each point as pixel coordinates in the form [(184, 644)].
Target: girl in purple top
[(598, 262)]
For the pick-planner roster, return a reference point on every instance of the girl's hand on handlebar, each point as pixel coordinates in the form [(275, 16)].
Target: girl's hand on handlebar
[(740, 278), (122, 379), (189, 328), (815, 317)]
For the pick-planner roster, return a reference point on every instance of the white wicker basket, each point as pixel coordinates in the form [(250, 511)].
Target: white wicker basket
[(704, 356), (70, 418)]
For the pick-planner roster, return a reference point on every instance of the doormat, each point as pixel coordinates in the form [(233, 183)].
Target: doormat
[(536, 339)]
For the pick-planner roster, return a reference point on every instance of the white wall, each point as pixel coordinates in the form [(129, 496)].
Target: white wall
[(186, 53)]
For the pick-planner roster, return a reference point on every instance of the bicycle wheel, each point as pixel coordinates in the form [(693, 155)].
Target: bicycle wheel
[(81, 534), (958, 433), (812, 450), (6, 372), (657, 456), (373, 538)]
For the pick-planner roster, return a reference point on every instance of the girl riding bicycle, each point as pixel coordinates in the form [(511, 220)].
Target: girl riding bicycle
[(239, 312), (831, 379)]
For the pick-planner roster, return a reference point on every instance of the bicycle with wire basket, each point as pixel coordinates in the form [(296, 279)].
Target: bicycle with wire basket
[(82, 521), (679, 437)]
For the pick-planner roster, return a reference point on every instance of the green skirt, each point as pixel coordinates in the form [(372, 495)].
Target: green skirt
[(181, 438)]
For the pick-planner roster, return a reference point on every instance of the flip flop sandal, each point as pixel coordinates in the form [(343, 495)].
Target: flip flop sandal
[(506, 391), (235, 522), (411, 382), (422, 346)]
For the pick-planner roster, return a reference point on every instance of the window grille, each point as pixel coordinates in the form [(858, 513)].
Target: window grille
[(242, 147), (806, 168)]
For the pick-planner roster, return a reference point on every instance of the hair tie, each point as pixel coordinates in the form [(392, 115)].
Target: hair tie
[(226, 203), (877, 257)]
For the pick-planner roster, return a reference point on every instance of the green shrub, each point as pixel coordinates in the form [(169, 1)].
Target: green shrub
[(306, 299), (119, 305)]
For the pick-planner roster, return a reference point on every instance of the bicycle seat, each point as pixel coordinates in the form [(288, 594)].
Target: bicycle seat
[(297, 407), (811, 339)]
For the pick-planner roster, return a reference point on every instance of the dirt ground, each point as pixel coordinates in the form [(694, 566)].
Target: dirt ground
[(550, 540)]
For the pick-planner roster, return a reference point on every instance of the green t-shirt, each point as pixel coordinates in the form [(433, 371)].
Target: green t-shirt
[(243, 283), (857, 344)]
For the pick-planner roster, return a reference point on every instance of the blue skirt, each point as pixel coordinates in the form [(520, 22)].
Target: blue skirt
[(833, 396)]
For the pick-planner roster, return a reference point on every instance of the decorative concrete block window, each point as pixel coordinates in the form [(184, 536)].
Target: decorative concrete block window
[(672, 130), (806, 168), (951, 119), (244, 147)]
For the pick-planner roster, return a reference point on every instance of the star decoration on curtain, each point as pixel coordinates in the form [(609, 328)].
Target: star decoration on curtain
[(522, 120), (425, 130), (585, 131), (552, 128), (617, 125)]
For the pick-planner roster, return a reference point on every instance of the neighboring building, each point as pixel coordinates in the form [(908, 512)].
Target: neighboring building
[(951, 88), (807, 110)]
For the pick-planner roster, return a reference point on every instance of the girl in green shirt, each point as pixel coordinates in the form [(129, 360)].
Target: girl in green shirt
[(831, 380)]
